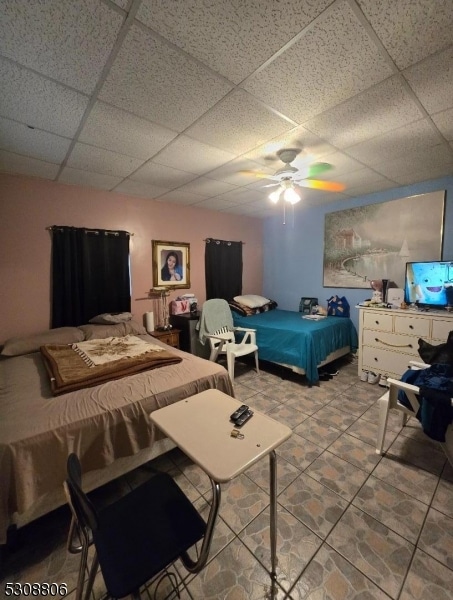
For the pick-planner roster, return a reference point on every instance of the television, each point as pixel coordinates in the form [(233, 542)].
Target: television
[(429, 284)]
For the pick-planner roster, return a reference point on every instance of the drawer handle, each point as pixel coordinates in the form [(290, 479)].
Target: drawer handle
[(393, 345)]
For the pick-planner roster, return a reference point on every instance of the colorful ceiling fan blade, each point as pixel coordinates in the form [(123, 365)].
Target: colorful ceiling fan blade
[(316, 184), (312, 170), (257, 174)]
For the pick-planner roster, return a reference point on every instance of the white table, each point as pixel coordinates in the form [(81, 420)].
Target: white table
[(200, 427)]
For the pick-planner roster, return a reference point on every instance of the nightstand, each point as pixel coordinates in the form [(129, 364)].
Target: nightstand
[(189, 342), (168, 336)]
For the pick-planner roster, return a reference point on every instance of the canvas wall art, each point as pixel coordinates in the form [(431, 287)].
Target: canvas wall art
[(375, 241)]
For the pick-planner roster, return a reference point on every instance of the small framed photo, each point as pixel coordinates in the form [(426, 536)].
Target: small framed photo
[(171, 264)]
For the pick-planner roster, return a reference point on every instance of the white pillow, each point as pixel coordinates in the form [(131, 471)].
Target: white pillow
[(251, 300)]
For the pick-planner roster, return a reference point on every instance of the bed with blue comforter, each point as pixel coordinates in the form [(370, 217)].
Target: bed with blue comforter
[(286, 338)]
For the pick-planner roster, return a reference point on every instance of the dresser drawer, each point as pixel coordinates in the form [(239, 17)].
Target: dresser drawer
[(384, 361), (441, 329), (374, 320), (412, 326), (391, 341)]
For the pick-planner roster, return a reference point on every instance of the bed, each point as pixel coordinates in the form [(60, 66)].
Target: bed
[(286, 338), (106, 424)]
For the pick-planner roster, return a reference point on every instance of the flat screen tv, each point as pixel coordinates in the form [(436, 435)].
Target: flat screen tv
[(429, 284)]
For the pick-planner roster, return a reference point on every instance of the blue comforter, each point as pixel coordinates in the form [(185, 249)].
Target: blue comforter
[(283, 336)]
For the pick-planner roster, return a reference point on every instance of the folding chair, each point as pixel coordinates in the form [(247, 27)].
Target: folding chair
[(135, 537)]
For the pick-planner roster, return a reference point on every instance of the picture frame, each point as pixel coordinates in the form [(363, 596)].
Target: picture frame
[(174, 274), (375, 241)]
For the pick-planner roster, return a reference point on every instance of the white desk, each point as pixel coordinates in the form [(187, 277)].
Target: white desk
[(200, 426)]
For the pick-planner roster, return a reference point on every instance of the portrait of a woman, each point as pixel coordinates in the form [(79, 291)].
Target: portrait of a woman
[(172, 270)]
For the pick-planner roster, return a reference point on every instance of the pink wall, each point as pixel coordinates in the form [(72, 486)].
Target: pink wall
[(29, 205)]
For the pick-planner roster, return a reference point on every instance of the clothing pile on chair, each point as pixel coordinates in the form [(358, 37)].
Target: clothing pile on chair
[(436, 391)]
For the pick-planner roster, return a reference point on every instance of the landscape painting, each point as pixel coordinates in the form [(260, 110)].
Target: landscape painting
[(376, 241)]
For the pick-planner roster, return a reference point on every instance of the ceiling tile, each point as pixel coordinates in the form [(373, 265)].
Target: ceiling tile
[(432, 81), (444, 122), (395, 143), (332, 61), (218, 203), (138, 188), (369, 188), (383, 107), (410, 29), (36, 143), (153, 80), (95, 180), (233, 38), (192, 156), (241, 195), (203, 186), (420, 160), (238, 123), (360, 177), (37, 101), (180, 197), (115, 129), (24, 165), (66, 40), (90, 158), (424, 174), (162, 176)]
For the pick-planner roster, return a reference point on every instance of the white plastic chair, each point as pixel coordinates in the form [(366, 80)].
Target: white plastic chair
[(390, 401), (216, 326)]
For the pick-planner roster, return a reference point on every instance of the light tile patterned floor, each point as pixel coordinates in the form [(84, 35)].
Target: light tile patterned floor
[(351, 524)]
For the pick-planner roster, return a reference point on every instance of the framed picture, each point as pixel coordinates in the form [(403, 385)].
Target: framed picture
[(377, 240), (171, 264)]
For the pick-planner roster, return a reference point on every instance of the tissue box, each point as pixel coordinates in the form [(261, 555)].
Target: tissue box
[(179, 307)]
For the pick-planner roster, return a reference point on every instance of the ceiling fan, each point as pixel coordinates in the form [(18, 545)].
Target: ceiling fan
[(289, 177)]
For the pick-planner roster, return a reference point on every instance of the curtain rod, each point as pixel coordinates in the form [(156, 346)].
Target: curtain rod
[(224, 241), (108, 231)]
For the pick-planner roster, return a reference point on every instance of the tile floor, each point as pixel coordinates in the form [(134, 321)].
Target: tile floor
[(351, 524)]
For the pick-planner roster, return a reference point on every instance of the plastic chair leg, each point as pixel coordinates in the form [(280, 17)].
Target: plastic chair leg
[(256, 362), (230, 361), (383, 418)]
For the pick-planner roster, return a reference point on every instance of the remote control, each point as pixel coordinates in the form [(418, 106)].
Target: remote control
[(237, 413), (242, 420)]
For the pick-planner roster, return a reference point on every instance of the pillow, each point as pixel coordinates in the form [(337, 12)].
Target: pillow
[(109, 318), (252, 300), (99, 332), (241, 309), (32, 343)]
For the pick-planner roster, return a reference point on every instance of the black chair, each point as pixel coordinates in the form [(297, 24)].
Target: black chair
[(135, 537)]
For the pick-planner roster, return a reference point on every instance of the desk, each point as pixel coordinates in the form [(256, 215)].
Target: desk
[(200, 426)]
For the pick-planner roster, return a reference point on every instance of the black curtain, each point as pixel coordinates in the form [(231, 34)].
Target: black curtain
[(223, 269), (90, 274)]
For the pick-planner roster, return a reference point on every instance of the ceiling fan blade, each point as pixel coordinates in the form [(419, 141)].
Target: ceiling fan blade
[(313, 170), (271, 185), (257, 174), (316, 184)]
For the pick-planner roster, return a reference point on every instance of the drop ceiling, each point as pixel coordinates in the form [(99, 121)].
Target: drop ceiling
[(171, 99)]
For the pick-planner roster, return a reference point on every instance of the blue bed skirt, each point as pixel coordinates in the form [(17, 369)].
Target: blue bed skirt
[(283, 336)]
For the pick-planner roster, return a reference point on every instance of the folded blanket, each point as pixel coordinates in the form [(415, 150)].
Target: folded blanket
[(68, 371), (101, 352)]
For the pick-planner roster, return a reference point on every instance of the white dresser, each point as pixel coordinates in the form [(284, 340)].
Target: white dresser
[(388, 338)]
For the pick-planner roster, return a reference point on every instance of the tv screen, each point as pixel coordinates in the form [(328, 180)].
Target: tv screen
[(429, 284)]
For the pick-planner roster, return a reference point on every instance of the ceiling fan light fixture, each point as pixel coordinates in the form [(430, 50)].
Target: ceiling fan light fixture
[(275, 196), (291, 196)]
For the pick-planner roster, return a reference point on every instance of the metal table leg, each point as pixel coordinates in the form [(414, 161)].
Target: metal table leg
[(196, 566), (273, 511)]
